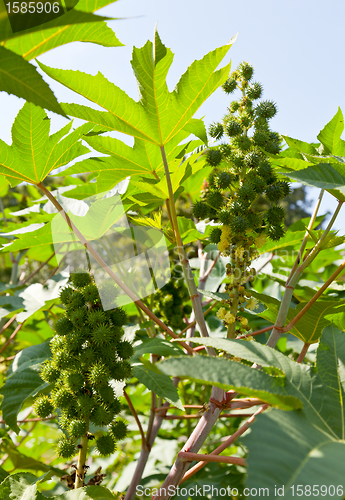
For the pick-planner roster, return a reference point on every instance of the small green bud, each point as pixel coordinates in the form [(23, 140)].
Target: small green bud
[(266, 109), (215, 199), (125, 349), (200, 210), (233, 128), (98, 374), (79, 280), (275, 232), (238, 224), (63, 326), (77, 428)]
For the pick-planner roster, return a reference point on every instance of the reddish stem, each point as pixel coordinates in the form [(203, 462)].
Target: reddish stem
[(190, 457), (303, 353)]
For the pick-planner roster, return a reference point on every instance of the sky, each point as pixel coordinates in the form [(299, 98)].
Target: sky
[(295, 46)]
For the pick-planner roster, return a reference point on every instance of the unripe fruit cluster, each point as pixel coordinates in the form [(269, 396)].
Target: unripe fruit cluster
[(88, 351), (169, 303), (242, 174)]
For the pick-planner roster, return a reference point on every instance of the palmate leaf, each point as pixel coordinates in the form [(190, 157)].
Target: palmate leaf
[(20, 78), (33, 153), (330, 135), (291, 448), (309, 328), (160, 115), (30, 87)]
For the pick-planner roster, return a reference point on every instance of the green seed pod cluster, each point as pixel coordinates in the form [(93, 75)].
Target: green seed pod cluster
[(242, 175), (169, 303), (88, 351)]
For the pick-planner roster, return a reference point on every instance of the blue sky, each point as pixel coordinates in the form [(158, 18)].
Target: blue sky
[(296, 47)]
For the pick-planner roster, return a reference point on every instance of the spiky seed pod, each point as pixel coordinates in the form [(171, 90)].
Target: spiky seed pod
[(246, 194), (245, 70), (116, 406), (61, 398), (121, 370), (118, 429), (258, 184), (79, 280), (275, 215), (213, 157), (266, 109), (87, 357), (230, 85), (243, 142), (285, 188), (102, 335), (91, 293), (98, 374), (57, 344), (65, 448), (234, 106), (66, 295), (64, 420), (237, 160), (252, 159), (105, 445), (261, 138), (215, 199), (224, 180), (125, 349), (187, 309), (75, 341), (265, 170), (78, 317), (216, 130), (75, 381), (237, 208), (254, 220), (246, 104), (254, 91), (106, 395), (225, 216), (63, 360), (238, 224), (275, 232), (48, 372), (118, 316), (63, 326), (233, 128), (43, 406), (96, 317), (101, 415), (274, 193), (77, 301), (77, 428), (200, 210), (215, 235), (85, 403), (245, 120)]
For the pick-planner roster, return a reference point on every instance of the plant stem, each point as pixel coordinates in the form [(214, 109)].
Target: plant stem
[(193, 293), (135, 415), (80, 471), (224, 445), (293, 280), (303, 353), (108, 270), (190, 457), (9, 340)]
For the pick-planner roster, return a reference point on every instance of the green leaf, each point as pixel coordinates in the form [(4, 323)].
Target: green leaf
[(291, 239), (331, 133), (20, 486), (160, 115), (228, 374), (304, 447), (157, 382), (89, 493), (157, 346), (214, 295), (34, 153), (23, 382), (324, 176), (303, 147), (32, 87)]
